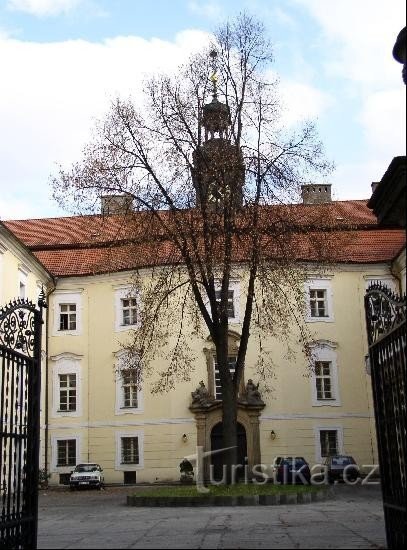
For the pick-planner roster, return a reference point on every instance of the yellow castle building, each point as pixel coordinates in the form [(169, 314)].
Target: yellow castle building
[(92, 413)]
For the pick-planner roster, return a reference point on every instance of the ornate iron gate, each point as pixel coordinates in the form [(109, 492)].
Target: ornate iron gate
[(20, 379), (386, 327)]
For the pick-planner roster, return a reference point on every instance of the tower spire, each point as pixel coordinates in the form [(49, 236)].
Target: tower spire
[(214, 76), (216, 115)]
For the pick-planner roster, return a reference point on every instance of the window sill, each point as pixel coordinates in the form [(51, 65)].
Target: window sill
[(122, 328), (319, 319), (327, 403), (129, 410)]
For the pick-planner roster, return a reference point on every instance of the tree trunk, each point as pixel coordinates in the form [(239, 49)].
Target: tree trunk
[(229, 413)]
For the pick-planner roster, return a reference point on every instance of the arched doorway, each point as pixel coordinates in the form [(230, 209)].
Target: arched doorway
[(217, 444)]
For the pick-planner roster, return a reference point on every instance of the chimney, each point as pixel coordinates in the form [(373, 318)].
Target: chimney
[(116, 204), (316, 194), (374, 186)]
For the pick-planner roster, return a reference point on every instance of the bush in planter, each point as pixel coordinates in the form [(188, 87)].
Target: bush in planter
[(43, 477), (187, 471)]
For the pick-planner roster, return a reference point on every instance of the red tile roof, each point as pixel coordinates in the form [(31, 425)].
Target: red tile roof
[(86, 245)]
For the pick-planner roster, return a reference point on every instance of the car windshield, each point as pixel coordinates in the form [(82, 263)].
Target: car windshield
[(87, 468), (291, 461), (342, 460)]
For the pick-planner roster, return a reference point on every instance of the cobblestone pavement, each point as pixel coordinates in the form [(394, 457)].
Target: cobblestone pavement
[(100, 519)]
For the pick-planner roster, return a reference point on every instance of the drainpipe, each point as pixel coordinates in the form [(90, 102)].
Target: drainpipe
[(47, 315)]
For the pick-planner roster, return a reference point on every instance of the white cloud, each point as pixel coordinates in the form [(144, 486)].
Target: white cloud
[(353, 180), (303, 101), (381, 117), (359, 37), (211, 9), (43, 8), (50, 96)]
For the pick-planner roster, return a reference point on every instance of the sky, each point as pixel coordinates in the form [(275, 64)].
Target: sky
[(63, 61)]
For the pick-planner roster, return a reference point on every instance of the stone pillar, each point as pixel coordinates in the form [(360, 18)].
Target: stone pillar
[(254, 453)]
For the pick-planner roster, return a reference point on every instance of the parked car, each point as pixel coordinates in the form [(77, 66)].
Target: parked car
[(86, 474), (341, 467), (293, 470)]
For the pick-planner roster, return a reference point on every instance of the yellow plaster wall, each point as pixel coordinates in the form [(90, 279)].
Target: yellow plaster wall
[(166, 417)]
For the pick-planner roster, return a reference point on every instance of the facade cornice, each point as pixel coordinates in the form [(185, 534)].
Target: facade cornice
[(27, 260)]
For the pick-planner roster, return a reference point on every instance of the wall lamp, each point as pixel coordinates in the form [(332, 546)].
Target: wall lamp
[(273, 434), (184, 438)]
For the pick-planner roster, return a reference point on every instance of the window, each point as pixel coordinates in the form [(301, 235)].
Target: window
[(67, 316), (230, 305), (66, 385), (318, 303), (129, 396), (22, 282), (66, 452), (67, 312), (127, 308), (67, 392), (129, 385), (233, 301), (323, 380), (130, 450), (319, 300), (328, 442), (22, 290), (129, 311), (218, 388)]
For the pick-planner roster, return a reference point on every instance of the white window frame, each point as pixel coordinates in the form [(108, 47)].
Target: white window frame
[(66, 363), (67, 297), (319, 284), (54, 453), (234, 285), (317, 431), (119, 406), (129, 467), (214, 374), (122, 293), (325, 351), (22, 281)]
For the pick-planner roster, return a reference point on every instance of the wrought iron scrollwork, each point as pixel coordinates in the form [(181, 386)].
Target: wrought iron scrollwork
[(17, 326), (385, 311)]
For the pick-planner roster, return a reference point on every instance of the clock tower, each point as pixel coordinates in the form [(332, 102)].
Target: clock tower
[(219, 172)]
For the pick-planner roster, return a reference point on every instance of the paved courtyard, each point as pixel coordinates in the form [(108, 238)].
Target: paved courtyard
[(93, 519)]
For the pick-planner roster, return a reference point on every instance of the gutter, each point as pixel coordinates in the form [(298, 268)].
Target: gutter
[(47, 315)]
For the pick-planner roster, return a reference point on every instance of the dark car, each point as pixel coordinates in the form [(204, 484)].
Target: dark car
[(341, 468), (293, 470)]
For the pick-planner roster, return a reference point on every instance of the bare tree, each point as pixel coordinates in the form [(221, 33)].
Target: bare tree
[(209, 180)]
